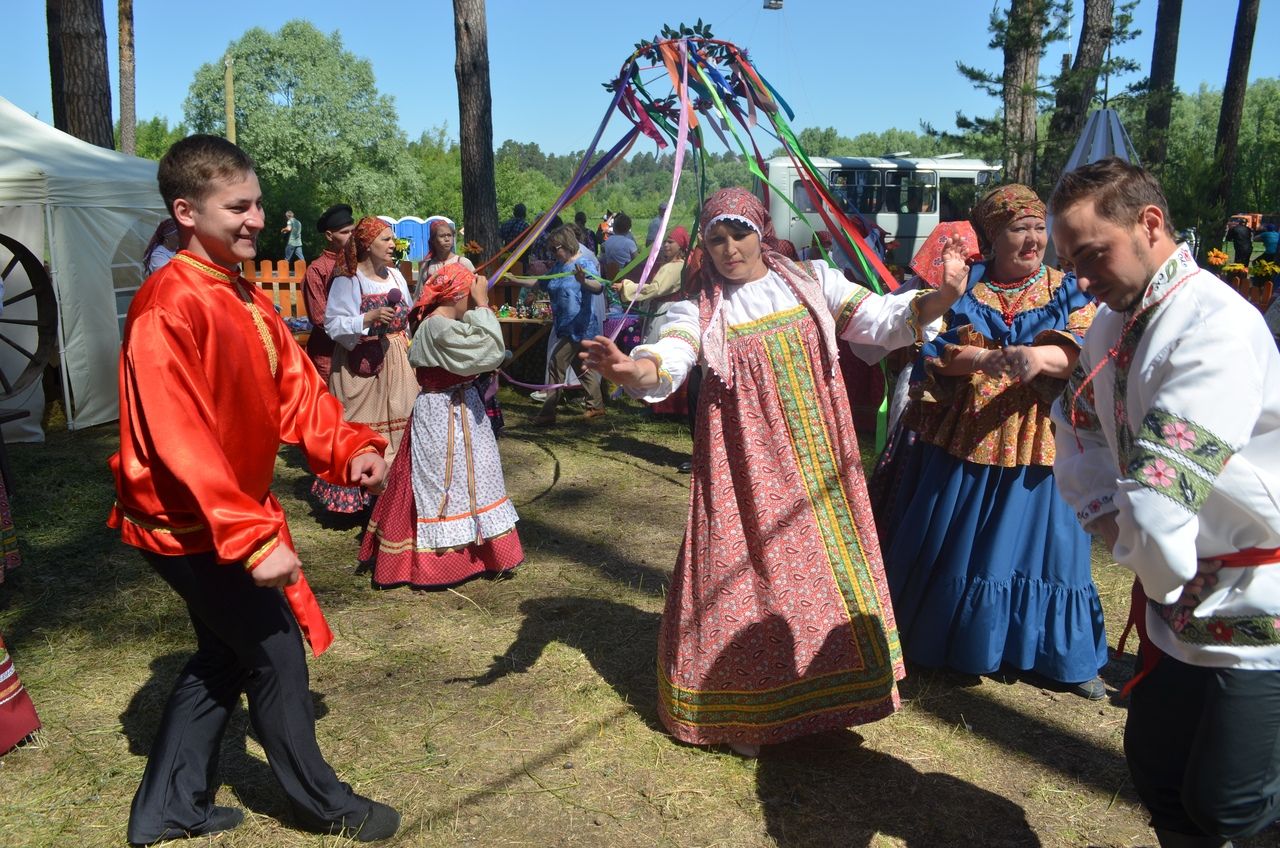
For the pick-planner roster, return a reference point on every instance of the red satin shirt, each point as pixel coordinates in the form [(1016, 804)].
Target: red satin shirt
[(208, 392)]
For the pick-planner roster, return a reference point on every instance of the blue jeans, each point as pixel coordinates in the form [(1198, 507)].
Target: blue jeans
[(293, 252)]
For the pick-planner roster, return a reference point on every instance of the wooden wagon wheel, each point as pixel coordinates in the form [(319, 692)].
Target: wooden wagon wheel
[(45, 321)]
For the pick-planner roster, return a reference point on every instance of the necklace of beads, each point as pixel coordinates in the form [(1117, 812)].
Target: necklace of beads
[(1023, 287)]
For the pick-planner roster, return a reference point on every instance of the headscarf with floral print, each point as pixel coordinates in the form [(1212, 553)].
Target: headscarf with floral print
[(706, 284), (999, 208), (357, 249), (444, 286)]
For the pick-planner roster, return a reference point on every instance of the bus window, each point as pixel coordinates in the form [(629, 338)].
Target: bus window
[(958, 196), (800, 197), (859, 189), (910, 192)]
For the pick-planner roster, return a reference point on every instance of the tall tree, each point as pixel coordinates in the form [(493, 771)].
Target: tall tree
[(1023, 47), (128, 108), (1076, 87), (53, 21), (1021, 34), (475, 118), (86, 86), (1224, 154), (1164, 60)]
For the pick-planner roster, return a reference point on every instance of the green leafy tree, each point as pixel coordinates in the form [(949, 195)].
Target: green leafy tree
[(153, 137), (310, 114), (438, 161)]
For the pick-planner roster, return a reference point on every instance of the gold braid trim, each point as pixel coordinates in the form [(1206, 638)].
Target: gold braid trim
[(264, 335), (204, 267)]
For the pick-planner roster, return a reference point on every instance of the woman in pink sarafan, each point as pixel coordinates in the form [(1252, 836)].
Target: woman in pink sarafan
[(777, 621)]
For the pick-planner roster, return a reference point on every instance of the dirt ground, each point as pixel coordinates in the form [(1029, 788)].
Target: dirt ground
[(521, 712)]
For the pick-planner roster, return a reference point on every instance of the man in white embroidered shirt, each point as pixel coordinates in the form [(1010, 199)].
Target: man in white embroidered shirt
[(1168, 447)]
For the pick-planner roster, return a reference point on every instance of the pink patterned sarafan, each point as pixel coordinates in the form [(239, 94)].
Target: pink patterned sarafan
[(778, 622)]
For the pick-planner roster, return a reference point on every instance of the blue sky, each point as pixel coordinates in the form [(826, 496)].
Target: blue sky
[(855, 65)]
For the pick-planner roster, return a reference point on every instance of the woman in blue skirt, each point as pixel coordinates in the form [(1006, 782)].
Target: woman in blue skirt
[(986, 563)]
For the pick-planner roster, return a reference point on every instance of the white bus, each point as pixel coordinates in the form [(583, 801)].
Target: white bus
[(906, 197)]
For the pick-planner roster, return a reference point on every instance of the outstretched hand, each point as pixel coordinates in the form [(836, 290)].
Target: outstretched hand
[(602, 356)]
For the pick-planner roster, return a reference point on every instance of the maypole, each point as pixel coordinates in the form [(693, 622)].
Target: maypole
[(707, 84)]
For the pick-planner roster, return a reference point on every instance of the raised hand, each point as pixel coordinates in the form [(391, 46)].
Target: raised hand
[(955, 268)]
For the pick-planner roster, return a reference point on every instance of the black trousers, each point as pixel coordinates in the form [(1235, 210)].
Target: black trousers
[(1203, 746), (246, 641)]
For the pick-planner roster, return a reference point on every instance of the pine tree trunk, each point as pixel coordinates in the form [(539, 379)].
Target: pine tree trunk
[(475, 125), (86, 85), (1233, 101), (1022, 49), (53, 18), (1077, 88), (128, 109), (1164, 60)]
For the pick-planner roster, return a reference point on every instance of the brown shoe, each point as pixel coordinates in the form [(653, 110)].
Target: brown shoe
[(593, 413)]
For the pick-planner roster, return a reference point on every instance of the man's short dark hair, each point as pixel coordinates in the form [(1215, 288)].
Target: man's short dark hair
[(519, 211), (191, 165), (1119, 191), (622, 223), (580, 218)]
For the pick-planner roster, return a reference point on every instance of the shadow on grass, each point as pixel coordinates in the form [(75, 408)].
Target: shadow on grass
[(75, 573), (248, 776), (617, 639), (659, 455), (827, 790), (598, 554), (1055, 748)]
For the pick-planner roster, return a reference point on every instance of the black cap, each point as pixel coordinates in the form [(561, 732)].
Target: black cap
[(335, 218)]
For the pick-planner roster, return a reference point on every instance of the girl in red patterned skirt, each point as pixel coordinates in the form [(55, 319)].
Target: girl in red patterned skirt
[(445, 516)]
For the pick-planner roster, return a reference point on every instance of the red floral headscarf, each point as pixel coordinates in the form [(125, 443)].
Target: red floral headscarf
[(1000, 207), (357, 248), (705, 283), (444, 286)]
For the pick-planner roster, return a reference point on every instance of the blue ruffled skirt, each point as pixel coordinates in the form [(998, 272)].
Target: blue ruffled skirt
[(988, 567)]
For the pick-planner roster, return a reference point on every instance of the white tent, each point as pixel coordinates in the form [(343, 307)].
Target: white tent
[(89, 213)]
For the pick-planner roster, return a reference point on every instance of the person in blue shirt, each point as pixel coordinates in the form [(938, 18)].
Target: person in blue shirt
[(574, 292)]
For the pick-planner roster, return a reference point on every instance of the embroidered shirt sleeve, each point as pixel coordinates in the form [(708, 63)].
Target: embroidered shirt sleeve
[(1201, 399)]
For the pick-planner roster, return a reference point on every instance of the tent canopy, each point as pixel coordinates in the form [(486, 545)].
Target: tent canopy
[(90, 213)]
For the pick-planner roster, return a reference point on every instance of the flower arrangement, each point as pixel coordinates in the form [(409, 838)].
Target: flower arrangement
[(1234, 269), (1263, 269), (473, 248), (402, 250), (1217, 258)]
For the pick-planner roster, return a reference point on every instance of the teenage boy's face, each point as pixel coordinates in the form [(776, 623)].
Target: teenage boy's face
[(225, 225)]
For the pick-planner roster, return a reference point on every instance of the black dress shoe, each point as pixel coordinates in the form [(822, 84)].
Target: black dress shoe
[(380, 822), (685, 468), (220, 819)]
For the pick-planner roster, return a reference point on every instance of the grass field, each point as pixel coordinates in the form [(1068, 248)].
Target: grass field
[(520, 712)]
